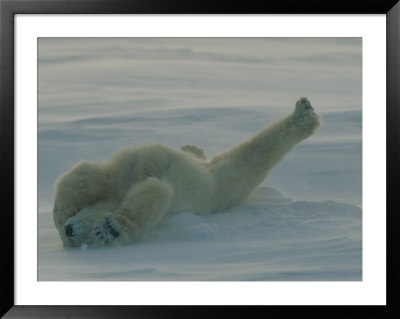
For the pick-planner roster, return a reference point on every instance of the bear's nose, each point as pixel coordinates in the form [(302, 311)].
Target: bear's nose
[(69, 231)]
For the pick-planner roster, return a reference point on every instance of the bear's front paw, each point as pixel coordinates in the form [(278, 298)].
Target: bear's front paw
[(108, 232)]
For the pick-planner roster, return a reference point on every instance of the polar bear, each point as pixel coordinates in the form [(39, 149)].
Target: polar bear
[(111, 203)]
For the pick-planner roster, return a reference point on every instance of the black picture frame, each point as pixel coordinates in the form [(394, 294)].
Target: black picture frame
[(8, 10)]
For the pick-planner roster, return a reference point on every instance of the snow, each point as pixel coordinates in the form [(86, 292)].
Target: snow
[(304, 223)]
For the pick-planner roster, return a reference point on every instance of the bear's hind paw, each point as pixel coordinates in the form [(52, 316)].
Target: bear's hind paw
[(303, 104), (194, 150), (304, 114)]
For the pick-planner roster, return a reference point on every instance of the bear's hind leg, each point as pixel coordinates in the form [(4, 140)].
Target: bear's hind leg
[(240, 169), (143, 207)]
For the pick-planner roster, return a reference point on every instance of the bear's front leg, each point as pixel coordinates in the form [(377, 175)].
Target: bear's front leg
[(144, 205)]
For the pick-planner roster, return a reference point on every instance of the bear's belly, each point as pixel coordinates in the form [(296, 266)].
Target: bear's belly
[(193, 187)]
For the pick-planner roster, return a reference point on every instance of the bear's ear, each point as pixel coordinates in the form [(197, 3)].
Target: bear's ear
[(61, 214)]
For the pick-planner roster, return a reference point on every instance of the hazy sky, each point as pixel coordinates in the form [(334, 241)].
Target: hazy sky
[(117, 74)]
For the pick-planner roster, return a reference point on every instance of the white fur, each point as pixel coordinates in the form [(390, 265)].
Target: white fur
[(110, 203)]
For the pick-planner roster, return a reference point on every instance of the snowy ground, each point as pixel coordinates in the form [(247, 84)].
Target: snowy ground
[(303, 223)]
